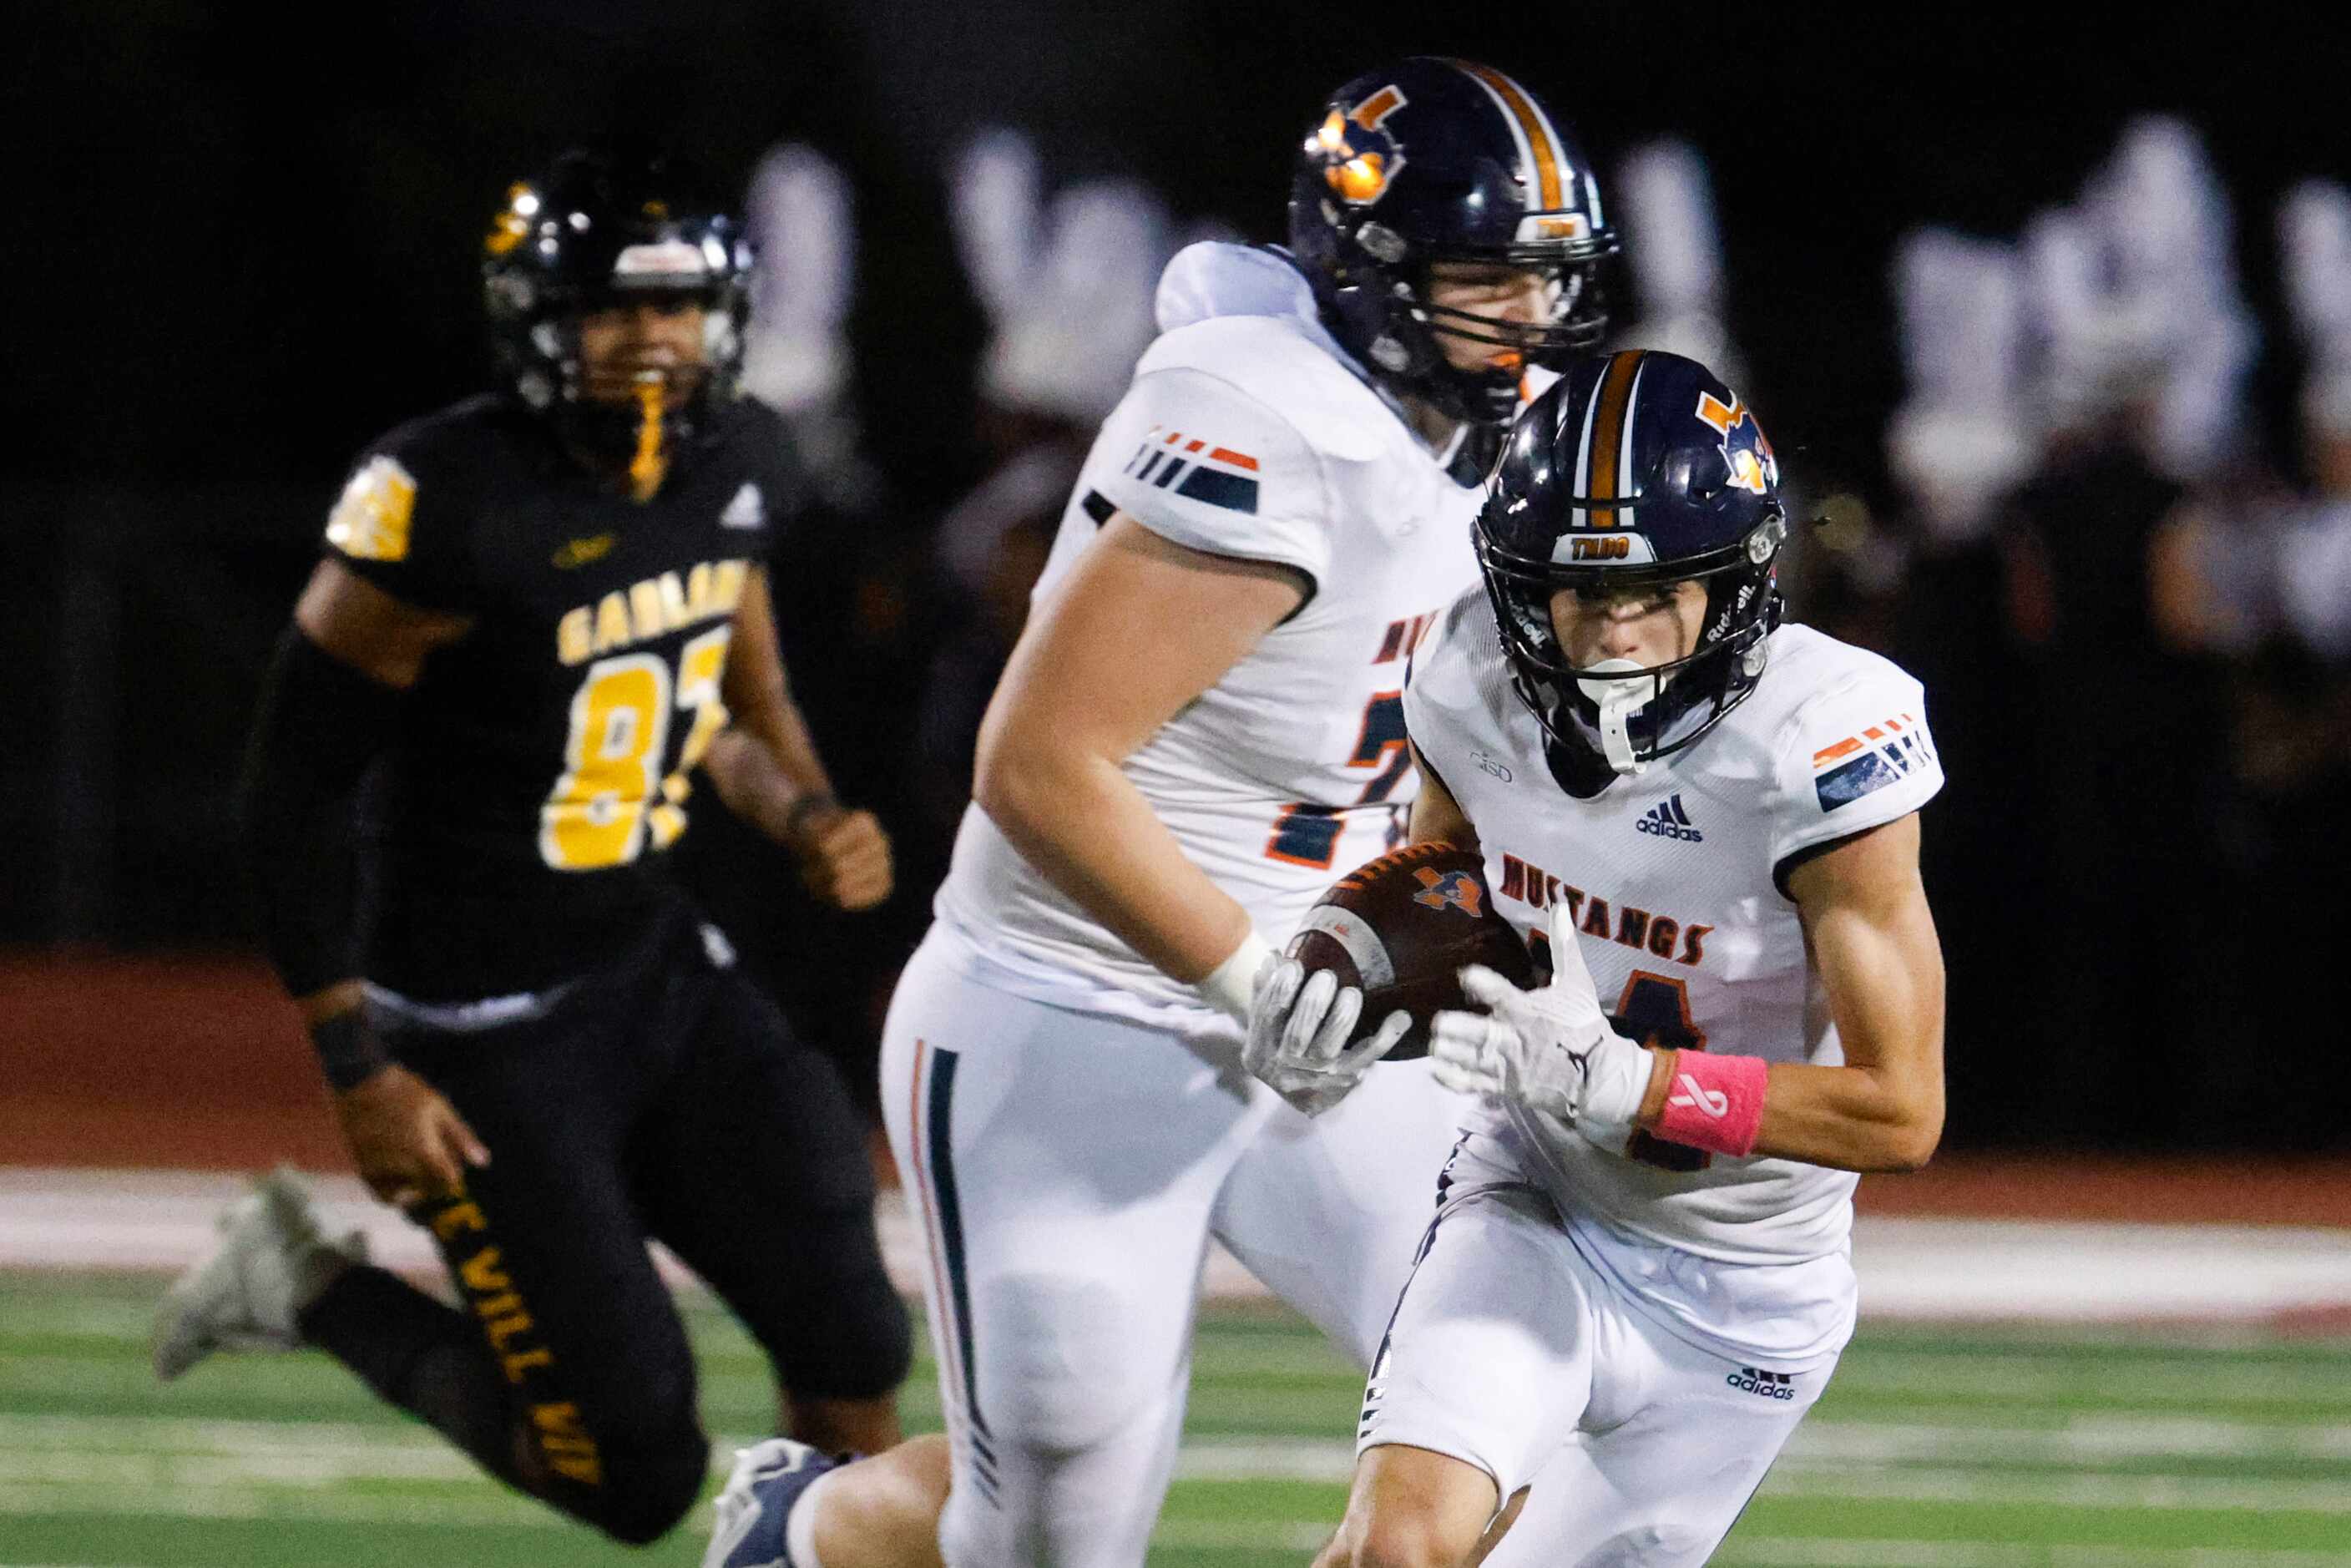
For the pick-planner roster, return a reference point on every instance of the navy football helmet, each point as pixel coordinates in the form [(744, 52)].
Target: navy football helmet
[(597, 229), (1635, 471), (1429, 161)]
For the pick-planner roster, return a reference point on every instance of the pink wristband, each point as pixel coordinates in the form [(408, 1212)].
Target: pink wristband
[(1715, 1103)]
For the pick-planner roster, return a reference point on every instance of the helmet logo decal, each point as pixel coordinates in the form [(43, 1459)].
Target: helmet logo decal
[(1376, 108), (1362, 164), (1751, 468)]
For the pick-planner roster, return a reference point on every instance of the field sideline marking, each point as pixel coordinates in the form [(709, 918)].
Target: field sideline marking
[(1915, 1268)]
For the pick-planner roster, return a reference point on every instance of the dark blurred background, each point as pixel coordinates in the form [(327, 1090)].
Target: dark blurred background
[(244, 242)]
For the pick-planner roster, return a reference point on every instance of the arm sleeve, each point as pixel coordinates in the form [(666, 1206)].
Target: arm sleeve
[(1854, 757), (1204, 465), (401, 530), (319, 726)]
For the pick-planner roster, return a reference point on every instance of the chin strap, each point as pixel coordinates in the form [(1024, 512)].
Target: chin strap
[(648, 467), (1619, 700)]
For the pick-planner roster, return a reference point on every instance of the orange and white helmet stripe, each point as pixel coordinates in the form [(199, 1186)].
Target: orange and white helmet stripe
[(1604, 456), (1539, 144)]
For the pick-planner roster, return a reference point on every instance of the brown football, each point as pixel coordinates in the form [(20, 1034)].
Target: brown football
[(1402, 927)]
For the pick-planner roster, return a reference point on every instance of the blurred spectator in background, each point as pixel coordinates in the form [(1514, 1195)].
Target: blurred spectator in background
[(1674, 255), (795, 358), (1068, 288), (2256, 579), (842, 574), (1958, 446), (2064, 403)]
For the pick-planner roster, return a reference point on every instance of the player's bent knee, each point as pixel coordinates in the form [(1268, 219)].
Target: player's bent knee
[(643, 1491), (1413, 1507), (1666, 1543), (1407, 1542), (1066, 1377), (849, 1336)]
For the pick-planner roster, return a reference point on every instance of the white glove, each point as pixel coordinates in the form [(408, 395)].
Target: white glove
[(1297, 1031), (1550, 1050)]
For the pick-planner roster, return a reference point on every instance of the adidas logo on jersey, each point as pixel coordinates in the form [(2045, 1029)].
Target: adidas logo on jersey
[(1668, 821), (1765, 1385), (749, 510)]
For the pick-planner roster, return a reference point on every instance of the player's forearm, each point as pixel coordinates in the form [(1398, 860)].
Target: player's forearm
[(1082, 822), (1851, 1118), (1879, 963), (316, 728), (1854, 1117), (769, 773)]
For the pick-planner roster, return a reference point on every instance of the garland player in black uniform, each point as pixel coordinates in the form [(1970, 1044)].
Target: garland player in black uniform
[(537, 612)]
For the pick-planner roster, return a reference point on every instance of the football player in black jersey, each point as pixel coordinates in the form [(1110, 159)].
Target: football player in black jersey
[(537, 612)]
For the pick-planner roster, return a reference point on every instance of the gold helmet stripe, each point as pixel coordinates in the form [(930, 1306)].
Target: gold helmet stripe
[(1604, 457), (1534, 132)]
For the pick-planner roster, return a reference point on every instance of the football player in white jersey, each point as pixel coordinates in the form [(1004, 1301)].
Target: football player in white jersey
[(1200, 728), (1639, 1280)]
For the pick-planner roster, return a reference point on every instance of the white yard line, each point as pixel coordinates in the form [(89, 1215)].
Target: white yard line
[(1911, 1269)]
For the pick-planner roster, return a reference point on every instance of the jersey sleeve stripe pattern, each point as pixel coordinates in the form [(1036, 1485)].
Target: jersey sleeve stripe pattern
[(1156, 462), (1890, 751)]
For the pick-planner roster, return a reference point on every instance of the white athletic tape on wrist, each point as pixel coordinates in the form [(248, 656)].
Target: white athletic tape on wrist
[(1227, 987)]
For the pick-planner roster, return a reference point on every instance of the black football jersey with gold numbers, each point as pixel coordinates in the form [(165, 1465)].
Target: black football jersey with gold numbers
[(514, 832)]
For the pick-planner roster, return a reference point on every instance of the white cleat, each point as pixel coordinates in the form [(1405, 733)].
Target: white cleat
[(272, 1261)]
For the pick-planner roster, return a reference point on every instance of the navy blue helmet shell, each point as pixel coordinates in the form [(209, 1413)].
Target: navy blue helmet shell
[(1635, 472), (1427, 161)]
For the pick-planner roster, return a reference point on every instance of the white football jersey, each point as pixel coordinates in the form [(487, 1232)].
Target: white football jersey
[(1248, 434), (1673, 877)]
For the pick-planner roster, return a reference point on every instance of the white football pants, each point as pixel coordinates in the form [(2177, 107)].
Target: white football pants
[(1068, 1169), (1512, 1353)]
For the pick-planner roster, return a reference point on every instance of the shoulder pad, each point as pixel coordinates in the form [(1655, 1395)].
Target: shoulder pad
[(1808, 664), (1458, 666), (1276, 364)]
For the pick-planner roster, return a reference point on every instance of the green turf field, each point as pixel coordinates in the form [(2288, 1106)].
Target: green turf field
[(1931, 1448)]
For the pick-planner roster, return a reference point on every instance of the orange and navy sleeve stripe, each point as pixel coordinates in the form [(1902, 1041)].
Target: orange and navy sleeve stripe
[(1194, 465), (1885, 753)]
